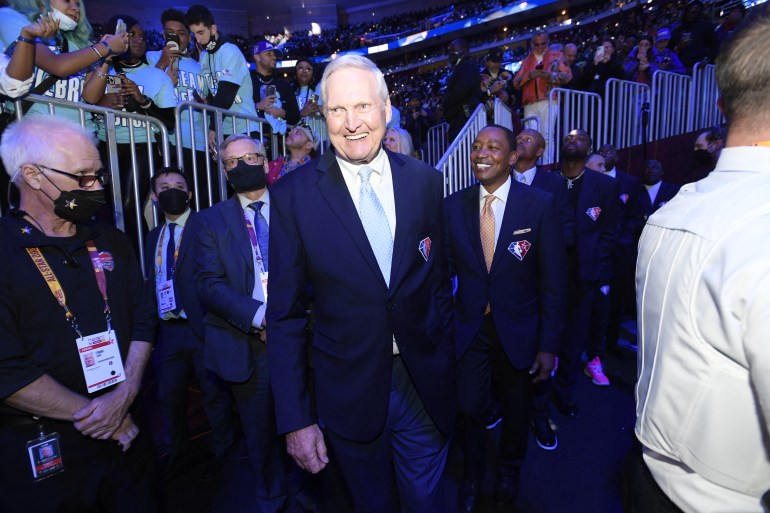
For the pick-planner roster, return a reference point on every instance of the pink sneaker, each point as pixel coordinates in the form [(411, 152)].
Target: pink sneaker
[(593, 370)]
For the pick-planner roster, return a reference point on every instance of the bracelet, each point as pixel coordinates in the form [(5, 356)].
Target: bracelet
[(146, 105), (26, 40), (100, 74), (97, 52), (109, 48)]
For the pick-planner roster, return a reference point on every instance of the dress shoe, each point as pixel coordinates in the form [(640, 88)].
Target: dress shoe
[(470, 494), (506, 488)]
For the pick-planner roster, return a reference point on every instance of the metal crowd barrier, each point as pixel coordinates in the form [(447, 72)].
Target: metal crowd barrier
[(704, 98), (625, 103), (455, 164), (503, 114), (152, 127), (531, 122), (570, 110), (318, 125), (437, 142), (670, 107)]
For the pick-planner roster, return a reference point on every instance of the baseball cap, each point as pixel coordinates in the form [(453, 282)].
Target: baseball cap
[(266, 46), (495, 55), (663, 34)]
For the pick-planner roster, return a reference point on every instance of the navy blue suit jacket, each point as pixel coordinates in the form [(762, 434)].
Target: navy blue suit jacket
[(628, 215), (224, 268), (317, 241), (526, 284), (185, 291), (554, 184), (646, 207), (595, 237)]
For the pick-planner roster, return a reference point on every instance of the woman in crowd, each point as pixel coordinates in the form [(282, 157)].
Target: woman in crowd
[(398, 140), (309, 97)]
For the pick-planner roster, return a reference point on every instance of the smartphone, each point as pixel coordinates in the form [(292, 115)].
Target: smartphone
[(120, 26), (600, 52), (172, 40), (313, 98), (270, 90), (114, 84)]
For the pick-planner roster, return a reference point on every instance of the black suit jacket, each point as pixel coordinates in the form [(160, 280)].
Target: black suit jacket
[(317, 241), (185, 291), (224, 269), (463, 89), (628, 215), (596, 229), (526, 284), (553, 183), (646, 207)]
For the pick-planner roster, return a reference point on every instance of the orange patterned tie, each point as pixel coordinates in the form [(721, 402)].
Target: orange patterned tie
[(487, 222)]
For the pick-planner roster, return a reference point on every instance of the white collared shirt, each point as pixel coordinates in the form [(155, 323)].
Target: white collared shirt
[(528, 175), (652, 190), (498, 205), (381, 181), (160, 267), (612, 173), (257, 292)]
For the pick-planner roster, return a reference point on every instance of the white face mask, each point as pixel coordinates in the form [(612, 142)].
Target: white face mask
[(66, 24)]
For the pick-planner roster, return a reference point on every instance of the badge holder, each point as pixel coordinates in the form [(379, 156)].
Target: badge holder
[(45, 456)]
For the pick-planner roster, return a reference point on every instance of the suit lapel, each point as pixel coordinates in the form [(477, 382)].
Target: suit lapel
[(471, 214), (515, 205), (406, 198), (335, 191), (187, 240), (232, 214)]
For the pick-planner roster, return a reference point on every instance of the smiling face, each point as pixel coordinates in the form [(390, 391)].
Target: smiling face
[(356, 116), (304, 73), (492, 158)]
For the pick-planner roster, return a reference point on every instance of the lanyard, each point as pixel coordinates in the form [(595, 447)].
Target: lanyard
[(159, 258), (58, 292), (253, 238)]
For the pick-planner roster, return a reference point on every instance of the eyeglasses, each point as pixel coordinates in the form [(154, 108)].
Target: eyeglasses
[(252, 159), (84, 181)]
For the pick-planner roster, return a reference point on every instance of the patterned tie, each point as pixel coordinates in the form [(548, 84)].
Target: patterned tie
[(263, 234), (523, 179), (170, 247), (375, 223), (487, 224)]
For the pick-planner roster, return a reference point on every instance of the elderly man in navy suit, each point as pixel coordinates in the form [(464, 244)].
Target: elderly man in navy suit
[(168, 259), (506, 246), (232, 265), (361, 230)]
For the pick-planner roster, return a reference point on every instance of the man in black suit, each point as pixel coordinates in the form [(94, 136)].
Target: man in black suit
[(168, 259), (652, 192), (361, 229), (231, 269), (506, 247), (594, 198), (463, 90)]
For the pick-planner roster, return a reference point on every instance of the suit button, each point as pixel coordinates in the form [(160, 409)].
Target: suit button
[(390, 306)]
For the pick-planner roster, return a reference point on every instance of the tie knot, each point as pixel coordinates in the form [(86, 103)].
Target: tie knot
[(488, 199), (365, 173), (171, 227), (256, 206)]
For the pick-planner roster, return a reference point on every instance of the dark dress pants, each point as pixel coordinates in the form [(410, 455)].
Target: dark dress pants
[(484, 363), (409, 455)]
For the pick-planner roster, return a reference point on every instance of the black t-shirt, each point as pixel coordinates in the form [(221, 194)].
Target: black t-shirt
[(36, 337)]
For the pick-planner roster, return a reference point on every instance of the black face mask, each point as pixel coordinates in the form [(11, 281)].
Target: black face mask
[(454, 58), (702, 157), (78, 205), (247, 178), (173, 201)]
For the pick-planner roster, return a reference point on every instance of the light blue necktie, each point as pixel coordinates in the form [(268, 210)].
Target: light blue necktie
[(263, 234), (375, 223)]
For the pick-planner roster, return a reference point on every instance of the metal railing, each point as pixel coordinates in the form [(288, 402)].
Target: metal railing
[(437, 143), (455, 164), (503, 114), (705, 93), (625, 104), (569, 110), (670, 104), (531, 122)]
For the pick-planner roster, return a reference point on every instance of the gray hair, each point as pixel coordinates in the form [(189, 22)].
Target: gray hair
[(33, 141), (357, 62), (238, 137), (743, 72)]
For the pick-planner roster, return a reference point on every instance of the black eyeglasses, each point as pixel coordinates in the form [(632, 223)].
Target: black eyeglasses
[(84, 181)]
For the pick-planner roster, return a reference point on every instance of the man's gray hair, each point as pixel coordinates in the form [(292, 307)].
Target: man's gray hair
[(543, 33), (743, 72), (357, 62), (238, 137), (33, 140)]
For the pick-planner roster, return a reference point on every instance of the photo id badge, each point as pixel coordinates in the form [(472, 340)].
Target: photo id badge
[(263, 280), (166, 299), (101, 361), (45, 456)]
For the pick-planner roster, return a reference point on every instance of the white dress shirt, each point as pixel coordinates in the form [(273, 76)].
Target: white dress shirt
[(257, 293), (160, 268), (528, 175), (652, 190), (498, 205), (381, 181)]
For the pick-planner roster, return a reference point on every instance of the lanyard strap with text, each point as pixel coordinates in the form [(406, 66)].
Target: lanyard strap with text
[(253, 238), (159, 258)]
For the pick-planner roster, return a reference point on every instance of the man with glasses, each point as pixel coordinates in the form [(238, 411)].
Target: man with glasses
[(76, 331), (231, 269)]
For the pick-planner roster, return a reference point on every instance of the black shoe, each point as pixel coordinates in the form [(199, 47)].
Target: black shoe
[(213, 468), (506, 488), (544, 434), (493, 419), (470, 493)]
